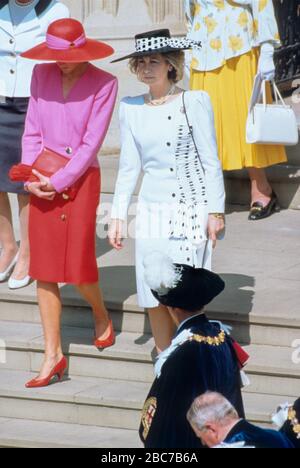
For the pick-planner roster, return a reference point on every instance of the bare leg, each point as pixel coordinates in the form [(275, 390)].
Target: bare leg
[(93, 295), (50, 309), (7, 238), (22, 267), (163, 327), (261, 190)]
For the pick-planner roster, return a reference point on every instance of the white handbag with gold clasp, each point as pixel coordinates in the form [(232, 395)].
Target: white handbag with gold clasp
[(270, 124)]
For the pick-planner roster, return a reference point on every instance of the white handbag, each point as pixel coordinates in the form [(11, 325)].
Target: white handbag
[(270, 124)]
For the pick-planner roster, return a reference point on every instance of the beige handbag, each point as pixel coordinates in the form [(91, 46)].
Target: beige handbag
[(270, 124)]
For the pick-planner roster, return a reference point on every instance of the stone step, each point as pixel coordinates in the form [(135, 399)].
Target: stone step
[(76, 312), (293, 152), (85, 401), (284, 178), (260, 408), (274, 370), (260, 328), (262, 278), (98, 402), (26, 433), (130, 359)]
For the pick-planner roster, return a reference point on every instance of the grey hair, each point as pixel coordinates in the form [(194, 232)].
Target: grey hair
[(211, 407)]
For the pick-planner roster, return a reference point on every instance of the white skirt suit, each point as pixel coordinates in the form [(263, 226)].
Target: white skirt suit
[(178, 192)]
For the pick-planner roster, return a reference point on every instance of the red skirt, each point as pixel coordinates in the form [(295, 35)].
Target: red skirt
[(62, 235)]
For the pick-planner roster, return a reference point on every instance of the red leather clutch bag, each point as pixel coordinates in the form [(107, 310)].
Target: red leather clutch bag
[(48, 163)]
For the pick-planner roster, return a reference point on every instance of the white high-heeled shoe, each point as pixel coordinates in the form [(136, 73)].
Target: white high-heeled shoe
[(4, 275), (18, 284)]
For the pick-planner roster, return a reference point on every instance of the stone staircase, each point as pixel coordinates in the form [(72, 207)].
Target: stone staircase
[(285, 179), (107, 389), (99, 402)]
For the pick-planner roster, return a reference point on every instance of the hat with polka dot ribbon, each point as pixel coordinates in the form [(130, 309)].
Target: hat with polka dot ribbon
[(159, 42)]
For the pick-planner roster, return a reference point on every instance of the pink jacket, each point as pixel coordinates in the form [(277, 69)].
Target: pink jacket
[(74, 127)]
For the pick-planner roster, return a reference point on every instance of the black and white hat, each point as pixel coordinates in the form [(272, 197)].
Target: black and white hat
[(182, 286), (159, 42)]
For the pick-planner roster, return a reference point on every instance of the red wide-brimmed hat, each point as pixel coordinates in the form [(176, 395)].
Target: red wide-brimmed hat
[(66, 42)]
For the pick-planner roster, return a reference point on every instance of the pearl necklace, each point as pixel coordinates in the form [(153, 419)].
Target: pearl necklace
[(162, 100)]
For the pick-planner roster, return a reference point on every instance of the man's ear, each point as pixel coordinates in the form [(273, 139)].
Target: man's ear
[(212, 428)]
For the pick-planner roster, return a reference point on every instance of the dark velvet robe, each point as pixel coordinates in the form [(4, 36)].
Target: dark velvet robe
[(257, 437), (191, 370)]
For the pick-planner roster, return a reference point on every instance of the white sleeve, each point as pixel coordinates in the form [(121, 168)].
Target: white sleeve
[(129, 168), (205, 138), (266, 23)]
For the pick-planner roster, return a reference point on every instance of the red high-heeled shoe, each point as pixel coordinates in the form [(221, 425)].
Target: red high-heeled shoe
[(109, 341), (59, 371)]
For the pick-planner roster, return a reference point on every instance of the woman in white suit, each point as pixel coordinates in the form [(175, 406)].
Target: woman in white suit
[(23, 24), (181, 202)]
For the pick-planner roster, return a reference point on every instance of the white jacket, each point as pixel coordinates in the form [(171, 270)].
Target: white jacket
[(228, 28), (16, 72), (157, 142)]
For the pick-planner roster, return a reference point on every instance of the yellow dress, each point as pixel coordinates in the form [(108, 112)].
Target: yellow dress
[(230, 88), (231, 32)]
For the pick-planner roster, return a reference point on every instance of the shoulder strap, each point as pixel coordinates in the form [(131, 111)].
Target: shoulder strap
[(191, 130)]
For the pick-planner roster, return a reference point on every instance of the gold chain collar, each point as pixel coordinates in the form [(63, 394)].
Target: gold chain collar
[(209, 340), (292, 417)]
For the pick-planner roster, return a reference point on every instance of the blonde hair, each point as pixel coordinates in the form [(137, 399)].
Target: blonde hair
[(176, 59)]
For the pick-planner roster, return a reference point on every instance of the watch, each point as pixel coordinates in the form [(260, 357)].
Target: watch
[(218, 215)]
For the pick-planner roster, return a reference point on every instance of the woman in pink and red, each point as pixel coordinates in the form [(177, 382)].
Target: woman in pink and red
[(69, 113)]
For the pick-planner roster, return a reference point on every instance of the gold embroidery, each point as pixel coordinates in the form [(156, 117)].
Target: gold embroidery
[(295, 422), (148, 414), (209, 340)]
